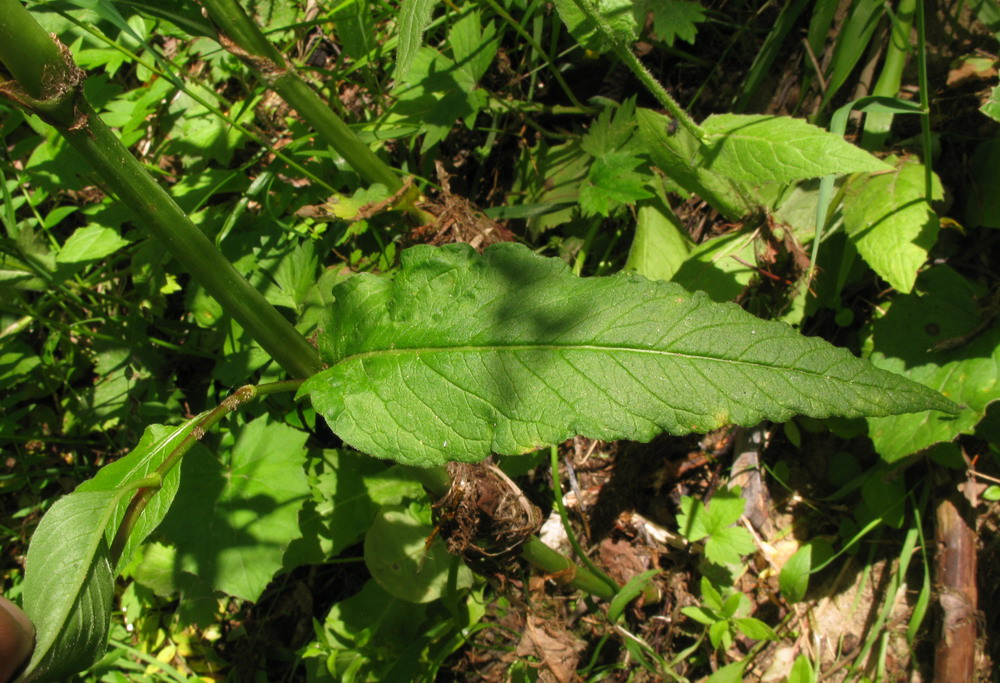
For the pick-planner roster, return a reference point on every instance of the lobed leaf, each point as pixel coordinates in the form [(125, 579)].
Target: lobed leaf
[(461, 356), (612, 181), (759, 149), (676, 19)]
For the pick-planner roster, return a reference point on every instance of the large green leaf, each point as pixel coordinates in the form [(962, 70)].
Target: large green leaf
[(462, 355), (232, 524), (678, 154), (718, 266), (937, 338), (758, 149), (157, 442), (402, 561), (90, 244), (890, 221), (660, 244), (69, 580), (348, 489), (68, 586)]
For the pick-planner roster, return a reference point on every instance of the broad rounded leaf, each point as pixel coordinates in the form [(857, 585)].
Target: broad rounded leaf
[(404, 564), (660, 244), (90, 244), (233, 524), (462, 355), (794, 577), (758, 149), (68, 585), (943, 339), (890, 221)]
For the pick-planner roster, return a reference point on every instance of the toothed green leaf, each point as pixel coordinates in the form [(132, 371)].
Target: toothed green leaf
[(461, 355)]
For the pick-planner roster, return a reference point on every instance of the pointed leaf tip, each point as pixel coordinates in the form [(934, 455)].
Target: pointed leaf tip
[(460, 356)]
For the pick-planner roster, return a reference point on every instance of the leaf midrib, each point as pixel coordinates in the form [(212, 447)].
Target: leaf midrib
[(497, 348)]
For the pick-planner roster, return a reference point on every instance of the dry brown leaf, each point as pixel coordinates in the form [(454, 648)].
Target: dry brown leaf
[(558, 650)]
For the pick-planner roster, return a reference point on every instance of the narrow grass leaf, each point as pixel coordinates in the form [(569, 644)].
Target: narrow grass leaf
[(852, 41), (759, 149), (462, 355)]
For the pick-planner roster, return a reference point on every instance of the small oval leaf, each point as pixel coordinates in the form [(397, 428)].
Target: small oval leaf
[(404, 564)]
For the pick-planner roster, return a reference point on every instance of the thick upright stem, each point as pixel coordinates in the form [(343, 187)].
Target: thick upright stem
[(159, 213), (26, 50), (955, 654), (628, 57), (54, 93), (240, 35)]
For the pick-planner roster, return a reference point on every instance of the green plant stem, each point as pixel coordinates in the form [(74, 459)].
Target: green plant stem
[(570, 534), (332, 129), (624, 53), (878, 124), (240, 35), (208, 420), (196, 253), (555, 564), (26, 50), (43, 79), (163, 68), (61, 103), (925, 101)]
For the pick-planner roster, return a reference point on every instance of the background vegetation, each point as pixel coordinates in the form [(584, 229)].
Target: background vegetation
[(517, 120)]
